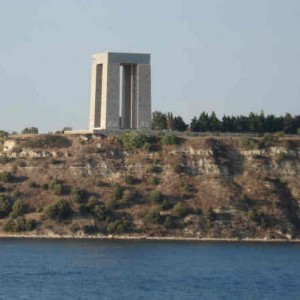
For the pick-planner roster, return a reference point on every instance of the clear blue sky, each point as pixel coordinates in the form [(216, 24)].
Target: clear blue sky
[(230, 56)]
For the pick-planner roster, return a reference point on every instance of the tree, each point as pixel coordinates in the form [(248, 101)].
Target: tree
[(179, 124), (30, 130), (159, 120)]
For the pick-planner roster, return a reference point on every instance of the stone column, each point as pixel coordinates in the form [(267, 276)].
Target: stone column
[(110, 105), (144, 96), (96, 95), (126, 97)]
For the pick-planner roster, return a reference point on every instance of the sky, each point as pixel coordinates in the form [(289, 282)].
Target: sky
[(228, 56)]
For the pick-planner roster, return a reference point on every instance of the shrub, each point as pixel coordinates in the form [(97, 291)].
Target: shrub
[(78, 195), (4, 160), (166, 205), (249, 144), (92, 202), (154, 169), (170, 139), (32, 130), (154, 217), (132, 140), (5, 176), (156, 196), (18, 209), (59, 211), (110, 204), (33, 184), (169, 222), (99, 212), (130, 180), (211, 215), (20, 224), (5, 206), (118, 192), (155, 180), (48, 141), (127, 197), (179, 210), (58, 189), (177, 169), (119, 227), (298, 131)]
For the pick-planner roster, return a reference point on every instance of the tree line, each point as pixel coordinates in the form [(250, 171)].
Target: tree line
[(255, 123)]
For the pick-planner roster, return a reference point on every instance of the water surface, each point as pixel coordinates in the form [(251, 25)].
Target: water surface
[(93, 269)]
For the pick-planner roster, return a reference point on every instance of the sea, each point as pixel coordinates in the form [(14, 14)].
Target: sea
[(110, 269)]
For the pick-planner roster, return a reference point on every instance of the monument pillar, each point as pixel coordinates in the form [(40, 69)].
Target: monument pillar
[(105, 92)]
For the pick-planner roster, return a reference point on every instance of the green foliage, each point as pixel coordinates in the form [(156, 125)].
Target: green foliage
[(170, 222), (60, 210), (128, 197), (133, 140), (5, 206), (259, 218), (5, 176), (166, 205), (155, 169), (19, 225), (154, 217), (156, 196), (177, 169), (48, 141), (3, 135), (159, 120), (4, 160), (298, 131), (119, 227), (269, 140), (179, 210), (78, 195), (118, 192), (155, 180), (30, 130), (18, 209), (99, 212), (249, 143), (130, 180), (58, 189), (211, 215), (169, 139)]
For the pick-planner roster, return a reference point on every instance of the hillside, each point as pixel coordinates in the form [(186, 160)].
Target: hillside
[(206, 187)]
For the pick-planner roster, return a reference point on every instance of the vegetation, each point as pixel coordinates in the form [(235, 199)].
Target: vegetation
[(47, 141), (133, 140), (5, 206), (5, 177), (156, 196), (19, 224), (252, 123), (18, 209), (60, 210), (169, 139), (30, 130)]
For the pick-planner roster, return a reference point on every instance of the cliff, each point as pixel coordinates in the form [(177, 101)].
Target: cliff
[(206, 187)]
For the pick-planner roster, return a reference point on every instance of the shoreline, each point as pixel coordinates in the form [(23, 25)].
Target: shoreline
[(145, 238)]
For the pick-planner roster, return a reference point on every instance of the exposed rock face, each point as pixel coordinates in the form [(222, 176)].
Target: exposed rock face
[(227, 189)]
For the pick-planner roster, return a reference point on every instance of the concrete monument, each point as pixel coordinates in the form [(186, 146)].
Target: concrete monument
[(128, 107)]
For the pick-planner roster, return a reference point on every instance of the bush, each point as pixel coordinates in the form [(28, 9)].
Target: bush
[(78, 195), (58, 189), (211, 215), (119, 227), (4, 160), (298, 131), (18, 209), (156, 197), (154, 217), (48, 141), (92, 202), (249, 144), (5, 206), (133, 140), (118, 192), (5, 177), (169, 139), (99, 212), (130, 180), (128, 196), (31, 130), (169, 222), (166, 205), (177, 169), (19, 225), (154, 169), (58, 211), (179, 210), (33, 184), (155, 180)]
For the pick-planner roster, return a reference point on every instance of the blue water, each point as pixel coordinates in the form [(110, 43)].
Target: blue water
[(85, 269)]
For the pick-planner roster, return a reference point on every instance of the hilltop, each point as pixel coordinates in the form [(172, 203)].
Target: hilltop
[(136, 185)]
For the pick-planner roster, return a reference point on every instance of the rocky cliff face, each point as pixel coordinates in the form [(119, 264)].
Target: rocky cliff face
[(207, 187)]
